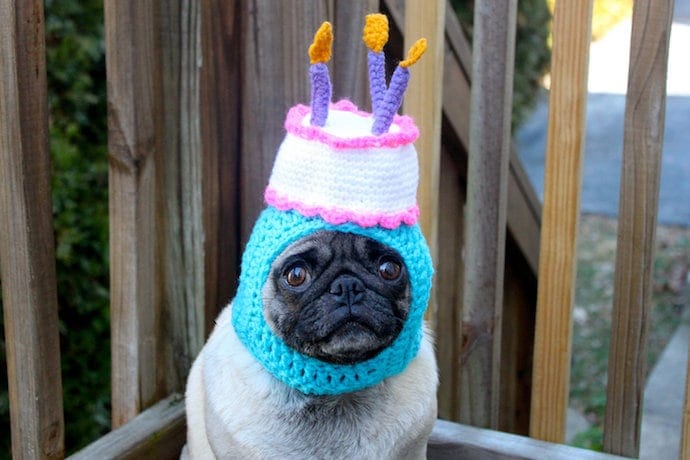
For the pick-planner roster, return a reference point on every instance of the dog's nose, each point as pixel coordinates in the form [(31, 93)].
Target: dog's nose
[(347, 289)]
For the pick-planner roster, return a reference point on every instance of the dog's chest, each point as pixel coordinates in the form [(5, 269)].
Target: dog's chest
[(350, 426)]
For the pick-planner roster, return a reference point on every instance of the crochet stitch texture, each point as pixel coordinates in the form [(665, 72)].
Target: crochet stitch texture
[(273, 232), (340, 169)]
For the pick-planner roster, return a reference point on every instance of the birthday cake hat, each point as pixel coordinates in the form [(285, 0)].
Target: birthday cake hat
[(346, 170), (343, 164)]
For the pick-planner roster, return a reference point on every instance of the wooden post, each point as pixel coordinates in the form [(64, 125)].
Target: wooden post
[(220, 126), (173, 180), (485, 229), (423, 103), (639, 199), (27, 254), (685, 430), (562, 180), (275, 77), (134, 137)]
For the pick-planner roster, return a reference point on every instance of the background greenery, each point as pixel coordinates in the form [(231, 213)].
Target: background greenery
[(76, 83)]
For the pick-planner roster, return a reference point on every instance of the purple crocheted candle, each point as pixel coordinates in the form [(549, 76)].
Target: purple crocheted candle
[(377, 78), (320, 93), (391, 101), (319, 55)]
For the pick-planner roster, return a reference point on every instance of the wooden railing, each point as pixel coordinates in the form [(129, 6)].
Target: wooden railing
[(197, 92)]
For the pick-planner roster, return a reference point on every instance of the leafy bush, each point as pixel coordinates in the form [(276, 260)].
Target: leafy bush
[(76, 84), (532, 52)]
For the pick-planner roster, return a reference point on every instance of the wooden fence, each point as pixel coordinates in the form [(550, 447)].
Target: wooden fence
[(197, 92)]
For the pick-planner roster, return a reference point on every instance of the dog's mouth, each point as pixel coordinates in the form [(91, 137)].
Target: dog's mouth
[(354, 334)]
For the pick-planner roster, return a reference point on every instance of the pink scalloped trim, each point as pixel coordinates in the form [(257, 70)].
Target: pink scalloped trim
[(293, 124), (340, 216)]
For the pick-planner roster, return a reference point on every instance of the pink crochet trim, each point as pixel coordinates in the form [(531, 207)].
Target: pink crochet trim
[(337, 216), (293, 124)]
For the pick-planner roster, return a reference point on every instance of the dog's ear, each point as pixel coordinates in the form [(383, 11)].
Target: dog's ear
[(338, 297)]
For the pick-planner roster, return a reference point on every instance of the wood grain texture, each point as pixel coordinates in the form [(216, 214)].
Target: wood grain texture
[(450, 441), (180, 168), (637, 213), (159, 432), (449, 286), (27, 254), (349, 62), (423, 102), (685, 430), (173, 243), (135, 139), (275, 67), (220, 126), (563, 178), (487, 186)]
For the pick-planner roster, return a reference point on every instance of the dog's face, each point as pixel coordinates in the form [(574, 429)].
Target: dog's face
[(338, 297)]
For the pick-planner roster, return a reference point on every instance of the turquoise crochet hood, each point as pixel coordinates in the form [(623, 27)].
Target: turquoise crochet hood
[(273, 232), (340, 169)]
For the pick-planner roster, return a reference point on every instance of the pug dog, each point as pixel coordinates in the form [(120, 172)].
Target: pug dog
[(340, 298)]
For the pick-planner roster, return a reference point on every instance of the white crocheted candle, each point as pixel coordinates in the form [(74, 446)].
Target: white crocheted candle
[(343, 173)]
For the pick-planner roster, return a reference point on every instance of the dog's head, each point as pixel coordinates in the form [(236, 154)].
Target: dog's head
[(338, 297)]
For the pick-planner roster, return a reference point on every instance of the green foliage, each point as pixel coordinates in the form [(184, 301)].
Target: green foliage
[(76, 85), (532, 52), (76, 81)]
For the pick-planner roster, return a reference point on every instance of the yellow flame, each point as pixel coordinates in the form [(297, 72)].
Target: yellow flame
[(415, 53), (320, 49), (375, 33)]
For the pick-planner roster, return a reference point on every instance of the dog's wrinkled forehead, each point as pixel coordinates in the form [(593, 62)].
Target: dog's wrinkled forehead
[(328, 244)]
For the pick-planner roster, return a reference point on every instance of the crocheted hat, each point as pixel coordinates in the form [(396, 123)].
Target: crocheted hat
[(345, 170)]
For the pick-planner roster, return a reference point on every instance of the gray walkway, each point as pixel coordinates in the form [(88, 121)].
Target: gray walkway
[(605, 114), (664, 393)]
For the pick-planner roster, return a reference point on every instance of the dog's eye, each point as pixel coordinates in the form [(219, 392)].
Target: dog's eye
[(389, 269), (296, 275)]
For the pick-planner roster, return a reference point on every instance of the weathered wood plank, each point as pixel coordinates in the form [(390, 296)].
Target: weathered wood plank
[(452, 441), (275, 77), (159, 432), (485, 231), (134, 140), (349, 62), (685, 430), (449, 286), (220, 137), (571, 36), (424, 104), (27, 254), (637, 213), (181, 166), (517, 341)]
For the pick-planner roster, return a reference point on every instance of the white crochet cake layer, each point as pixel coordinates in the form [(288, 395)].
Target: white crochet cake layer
[(366, 181)]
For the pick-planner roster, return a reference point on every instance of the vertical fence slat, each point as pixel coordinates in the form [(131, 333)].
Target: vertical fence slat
[(639, 197), (423, 103), (349, 61), (485, 229), (167, 180), (562, 181), (134, 138), (449, 287), (27, 262), (685, 430), (275, 77), (220, 138)]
